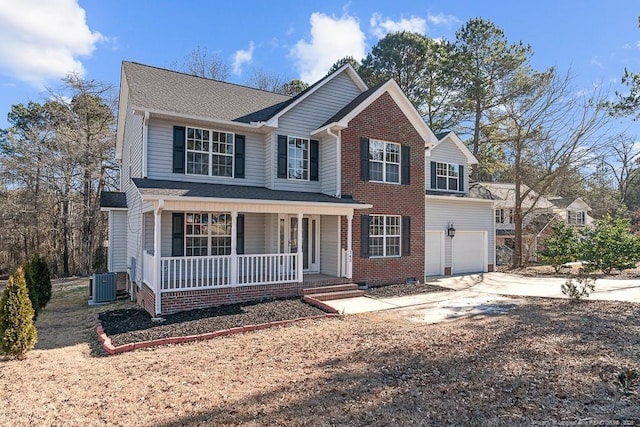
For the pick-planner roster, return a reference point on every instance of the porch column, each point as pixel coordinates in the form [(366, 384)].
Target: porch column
[(299, 262), (157, 245), (233, 262), (349, 266)]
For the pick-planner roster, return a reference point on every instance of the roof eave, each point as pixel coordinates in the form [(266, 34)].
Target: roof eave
[(170, 114)]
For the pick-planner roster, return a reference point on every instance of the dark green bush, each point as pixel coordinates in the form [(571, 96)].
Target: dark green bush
[(38, 280), (17, 332)]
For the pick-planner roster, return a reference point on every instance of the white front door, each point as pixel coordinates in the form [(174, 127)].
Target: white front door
[(434, 253), (288, 239)]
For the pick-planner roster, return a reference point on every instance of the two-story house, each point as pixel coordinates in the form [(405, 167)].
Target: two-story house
[(541, 213), (230, 193)]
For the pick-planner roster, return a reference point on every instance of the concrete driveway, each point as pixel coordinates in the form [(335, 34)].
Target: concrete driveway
[(481, 294)]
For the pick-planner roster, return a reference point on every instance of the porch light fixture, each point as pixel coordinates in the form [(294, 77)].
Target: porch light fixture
[(451, 231)]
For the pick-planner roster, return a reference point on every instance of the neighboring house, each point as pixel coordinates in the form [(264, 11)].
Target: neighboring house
[(543, 211), (230, 193)]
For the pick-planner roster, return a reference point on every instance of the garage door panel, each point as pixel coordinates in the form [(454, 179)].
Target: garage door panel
[(468, 252), (434, 253)]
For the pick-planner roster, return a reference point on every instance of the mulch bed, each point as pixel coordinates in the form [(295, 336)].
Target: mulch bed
[(131, 325), (135, 324)]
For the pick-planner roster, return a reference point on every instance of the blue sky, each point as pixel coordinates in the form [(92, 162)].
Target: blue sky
[(42, 40)]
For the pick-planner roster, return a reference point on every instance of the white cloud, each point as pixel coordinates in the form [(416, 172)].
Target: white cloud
[(41, 40), (442, 19), (242, 57), (382, 26), (331, 39)]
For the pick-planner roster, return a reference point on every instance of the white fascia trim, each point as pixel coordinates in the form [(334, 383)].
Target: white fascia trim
[(113, 209), (328, 129), (169, 114), (346, 67), (405, 106), (459, 199), (145, 142), (153, 198), (471, 159)]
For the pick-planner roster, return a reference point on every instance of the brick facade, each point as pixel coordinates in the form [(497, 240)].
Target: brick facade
[(384, 120)]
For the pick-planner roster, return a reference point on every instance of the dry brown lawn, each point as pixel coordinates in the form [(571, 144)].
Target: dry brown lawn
[(543, 361)]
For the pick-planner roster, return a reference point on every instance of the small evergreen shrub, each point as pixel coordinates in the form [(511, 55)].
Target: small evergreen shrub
[(18, 334), (610, 245), (579, 288), (38, 280)]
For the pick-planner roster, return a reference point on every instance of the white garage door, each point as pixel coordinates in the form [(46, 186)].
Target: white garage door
[(434, 253), (469, 252)]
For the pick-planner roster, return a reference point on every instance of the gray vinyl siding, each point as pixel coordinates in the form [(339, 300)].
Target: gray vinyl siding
[(117, 241), (447, 152), (466, 216), (160, 156), (330, 245), (329, 170), (309, 115), (254, 233), (133, 146)]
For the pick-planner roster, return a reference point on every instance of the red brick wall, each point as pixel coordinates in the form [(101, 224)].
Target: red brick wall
[(173, 302), (384, 120), (147, 299)]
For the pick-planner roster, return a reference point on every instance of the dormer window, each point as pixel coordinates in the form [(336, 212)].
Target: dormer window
[(576, 217), (447, 176)]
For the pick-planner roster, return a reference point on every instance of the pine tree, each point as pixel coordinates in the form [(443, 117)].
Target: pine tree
[(17, 332)]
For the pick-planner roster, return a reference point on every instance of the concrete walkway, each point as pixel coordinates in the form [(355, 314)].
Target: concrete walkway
[(481, 294)]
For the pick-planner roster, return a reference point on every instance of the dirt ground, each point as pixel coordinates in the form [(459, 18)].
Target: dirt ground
[(543, 363)]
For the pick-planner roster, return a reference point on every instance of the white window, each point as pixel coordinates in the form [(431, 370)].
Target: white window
[(384, 236), (504, 216), (298, 158), (447, 176), (209, 152), (384, 161), (207, 234), (576, 217)]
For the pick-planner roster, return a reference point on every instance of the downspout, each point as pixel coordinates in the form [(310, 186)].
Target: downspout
[(338, 160), (145, 137)]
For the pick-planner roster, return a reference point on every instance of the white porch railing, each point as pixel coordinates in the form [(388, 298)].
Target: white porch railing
[(266, 269), (178, 273), (191, 273)]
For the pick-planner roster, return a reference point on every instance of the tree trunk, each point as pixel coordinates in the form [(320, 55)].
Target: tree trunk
[(476, 139)]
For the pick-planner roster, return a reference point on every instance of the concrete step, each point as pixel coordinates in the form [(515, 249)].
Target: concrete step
[(327, 296), (331, 288)]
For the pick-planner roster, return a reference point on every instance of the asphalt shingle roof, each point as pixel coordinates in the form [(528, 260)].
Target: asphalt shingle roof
[(192, 189), (175, 92), (113, 199)]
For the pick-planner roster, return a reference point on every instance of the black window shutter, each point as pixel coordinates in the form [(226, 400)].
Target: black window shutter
[(240, 234), (406, 235), (461, 178), (239, 157), (364, 236), (178, 149), (364, 159), (434, 184), (314, 160), (406, 165), (282, 156), (177, 234)]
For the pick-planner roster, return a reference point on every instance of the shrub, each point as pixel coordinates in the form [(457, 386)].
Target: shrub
[(38, 280), (577, 291), (610, 245), (561, 246), (17, 332)]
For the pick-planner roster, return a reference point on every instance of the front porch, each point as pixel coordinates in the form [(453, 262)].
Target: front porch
[(259, 255)]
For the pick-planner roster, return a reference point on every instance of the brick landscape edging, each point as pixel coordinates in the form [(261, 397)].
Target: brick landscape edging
[(108, 346)]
